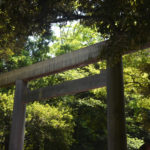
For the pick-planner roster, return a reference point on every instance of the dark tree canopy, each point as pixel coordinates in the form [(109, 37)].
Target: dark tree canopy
[(125, 22), (21, 18)]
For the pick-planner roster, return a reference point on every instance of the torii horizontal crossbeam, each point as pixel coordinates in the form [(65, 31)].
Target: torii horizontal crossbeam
[(66, 88), (61, 63)]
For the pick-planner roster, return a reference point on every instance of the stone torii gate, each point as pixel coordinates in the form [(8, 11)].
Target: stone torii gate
[(112, 78)]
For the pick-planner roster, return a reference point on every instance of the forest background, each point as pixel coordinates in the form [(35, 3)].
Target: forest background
[(75, 121)]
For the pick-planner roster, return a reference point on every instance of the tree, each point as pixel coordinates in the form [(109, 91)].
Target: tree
[(136, 78), (85, 131), (126, 23), (88, 131), (47, 127), (21, 19), (35, 50)]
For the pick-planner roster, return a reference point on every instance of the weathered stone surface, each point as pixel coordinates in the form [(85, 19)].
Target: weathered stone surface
[(115, 107), (18, 122), (64, 62), (61, 63), (66, 88)]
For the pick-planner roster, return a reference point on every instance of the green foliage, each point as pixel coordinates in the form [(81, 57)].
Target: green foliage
[(137, 81), (36, 50), (20, 19), (88, 131), (55, 124), (125, 22), (46, 126), (73, 37), (134, 143), (77, 121), (90, 119), (6, 103)]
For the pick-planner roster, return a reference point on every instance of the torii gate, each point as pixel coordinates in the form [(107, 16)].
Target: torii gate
[(112, 78)]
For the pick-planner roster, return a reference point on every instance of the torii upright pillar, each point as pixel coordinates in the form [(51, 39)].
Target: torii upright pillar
[(18, 120), (115, 104)]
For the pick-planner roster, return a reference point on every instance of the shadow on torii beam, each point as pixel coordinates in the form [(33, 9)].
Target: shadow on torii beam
[(113, 78)]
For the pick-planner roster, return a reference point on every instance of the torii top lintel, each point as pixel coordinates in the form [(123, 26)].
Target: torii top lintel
[(61, 63)]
